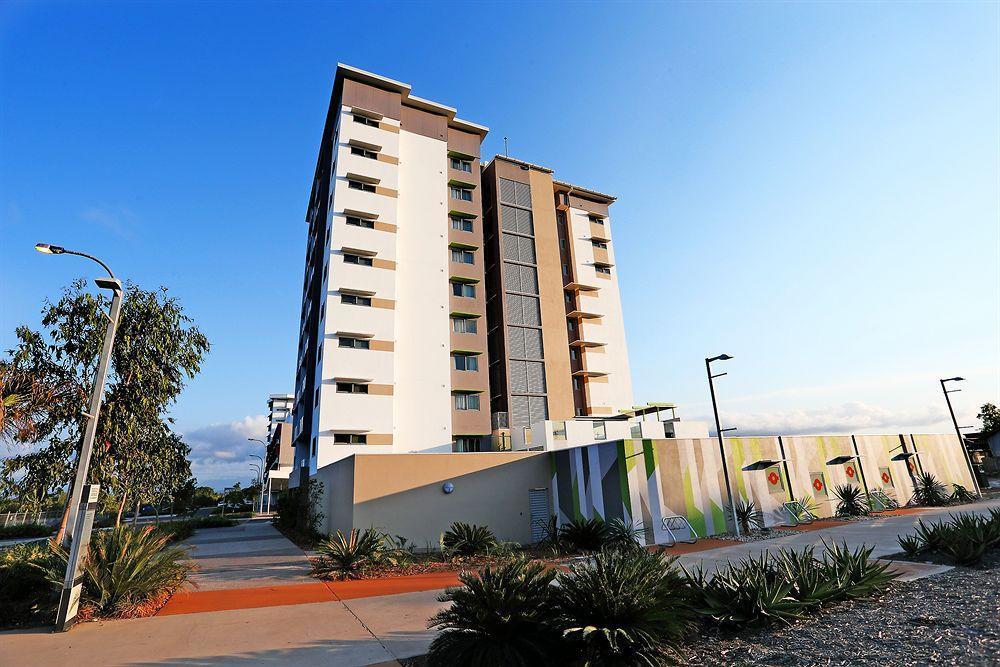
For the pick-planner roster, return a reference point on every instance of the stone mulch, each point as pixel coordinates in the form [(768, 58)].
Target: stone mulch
[(756, 535), (947, 619)]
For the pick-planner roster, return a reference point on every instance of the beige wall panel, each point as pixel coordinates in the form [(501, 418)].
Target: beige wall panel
[(337, 497), (941, 455), (597, 208)]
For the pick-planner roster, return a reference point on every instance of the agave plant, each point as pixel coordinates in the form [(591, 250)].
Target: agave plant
[(912, 545), (125, 568), (851, 501), (960, 494), (623, 608), (463, 539), (858, 574), (497, 618), (587, 535), (811, 584), (346, 556), (746, 515), (623, 535), (933, 535), (927, 490), (750, 591), (969, 538)]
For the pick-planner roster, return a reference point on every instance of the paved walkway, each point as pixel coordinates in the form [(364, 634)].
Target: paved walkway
[(285, 617)]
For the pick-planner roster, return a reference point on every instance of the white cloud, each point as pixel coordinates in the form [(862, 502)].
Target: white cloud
[(220, 452), (834, 420)]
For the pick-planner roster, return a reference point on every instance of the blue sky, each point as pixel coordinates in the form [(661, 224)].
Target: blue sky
[(812, 188)]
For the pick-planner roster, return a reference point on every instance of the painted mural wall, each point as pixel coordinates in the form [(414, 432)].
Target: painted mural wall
[(648, 481)]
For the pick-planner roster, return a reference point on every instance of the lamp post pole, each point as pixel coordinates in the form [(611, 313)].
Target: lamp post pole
[(958, 431), (260, 481), (80, 513), (262, 478), (719, 432)]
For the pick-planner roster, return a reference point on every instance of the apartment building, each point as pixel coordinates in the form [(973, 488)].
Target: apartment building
[(556, 336), (392, 340), (279, 410)]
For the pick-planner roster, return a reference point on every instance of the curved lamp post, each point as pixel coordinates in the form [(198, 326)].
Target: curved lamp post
[(79, 523), (260, 480), (719, 432), (958, 430)]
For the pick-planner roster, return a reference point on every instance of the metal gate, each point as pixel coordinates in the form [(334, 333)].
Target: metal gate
[(538, 504)]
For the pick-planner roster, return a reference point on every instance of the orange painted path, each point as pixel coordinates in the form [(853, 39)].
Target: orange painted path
[(196, 602)]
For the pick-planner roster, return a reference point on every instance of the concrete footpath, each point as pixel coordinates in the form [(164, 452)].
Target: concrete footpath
[(256, 604)]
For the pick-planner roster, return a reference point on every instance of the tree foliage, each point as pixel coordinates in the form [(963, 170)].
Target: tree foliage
[(989, 416), (136, 457)]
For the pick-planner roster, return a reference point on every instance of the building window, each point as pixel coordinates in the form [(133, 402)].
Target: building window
[(635, 430), (360, 260), (573, 354), (465, 362), (461, 165), (596, 220), (559, 430), (316, 397), (355, 300), (565, 269), (365, 120), (576, 384), (350, 439), (322, 312), (458, 192), (572, 325), (580, 412), (358, 185), (601, 268), (600, 432), (356, 343), (355, 221), (466, 443), (463, 325), (463, 289), (461, 224), (562, 244), (351, 388), (364, 152), (313, 449), (463, 256), (599, 244), (466, 401)]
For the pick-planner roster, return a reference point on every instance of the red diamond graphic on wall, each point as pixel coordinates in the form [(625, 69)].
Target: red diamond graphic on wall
[(773, 478), (818, 485), (885, 477), (850, 472)]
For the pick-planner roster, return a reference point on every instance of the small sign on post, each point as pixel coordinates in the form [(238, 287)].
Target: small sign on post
[(69, 599)]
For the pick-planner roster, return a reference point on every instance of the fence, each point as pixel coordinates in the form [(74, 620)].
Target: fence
[(21, 518)]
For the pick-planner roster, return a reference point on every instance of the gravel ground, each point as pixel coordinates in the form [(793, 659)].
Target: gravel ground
[(949, 619), (755, 536)]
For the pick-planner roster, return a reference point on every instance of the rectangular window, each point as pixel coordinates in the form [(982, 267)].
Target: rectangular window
[(356, 343), (573, 354), (322, 312), (316, 397), (466, 443), (364, 152), (355, 300), (562, 244), (572, 325), (350, 439), (458, 192), (355, 221), (360, 260), (599, 244), (596, 220), (635, 430), (466, 401), (461, 224), (351, 388), (463, 325), (365, 120), (565, 270), (463, 289), (461, 165), (601, 268), (600, 432), (559, 430), (576, 384), (465, 362), (463, 256), (313, 447), (358, 185)]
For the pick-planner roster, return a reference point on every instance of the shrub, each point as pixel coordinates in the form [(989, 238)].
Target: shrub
[(623, 535), (851, 500), (346, 556), (857, 574), (25, 530), (587, 535), (969, 538), (297, 511), (927, 490), (811, 583), (497, 618), (176, 531), (751, 591), (462, 539), (912, 545), (25, 593), (215, 522), (962, 495), (395, 550), (746, 515), (126, 568), (933, 535), (623, 608)]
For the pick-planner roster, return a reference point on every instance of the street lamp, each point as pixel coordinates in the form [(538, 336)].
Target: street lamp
[(260, 479), (958, 430), (719, 431), (80, 514)]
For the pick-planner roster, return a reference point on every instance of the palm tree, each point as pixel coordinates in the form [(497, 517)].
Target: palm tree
[(25, 400)]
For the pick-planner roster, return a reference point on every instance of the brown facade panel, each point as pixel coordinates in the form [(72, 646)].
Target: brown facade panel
[(381, 345), (379, 389), (378, 438), (597, 208), (370, 98), (423, 123), (466, 143), (388, 304)]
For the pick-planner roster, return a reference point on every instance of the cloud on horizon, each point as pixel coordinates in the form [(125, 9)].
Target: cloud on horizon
[(219, 452), (854, 417)]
